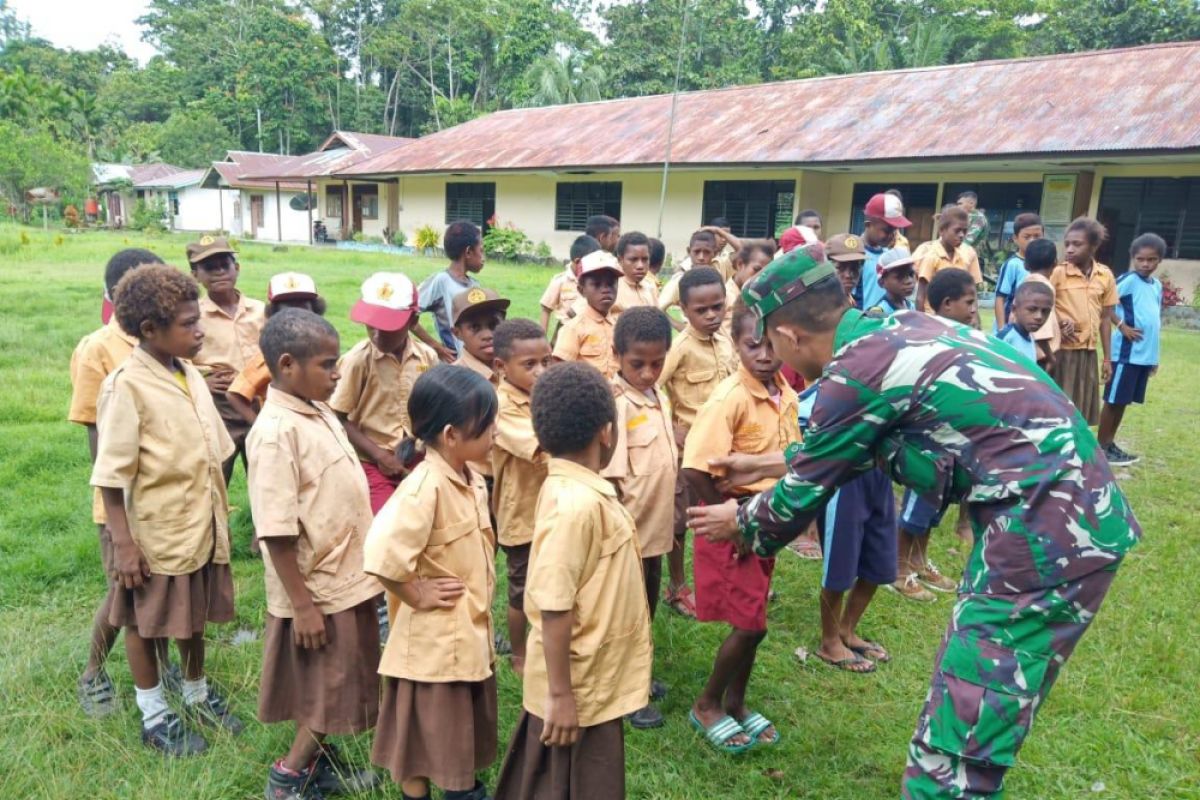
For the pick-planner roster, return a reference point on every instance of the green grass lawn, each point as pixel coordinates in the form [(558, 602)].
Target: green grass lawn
[(1122, 722)]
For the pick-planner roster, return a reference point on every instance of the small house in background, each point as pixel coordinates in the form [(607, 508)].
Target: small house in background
[(257, 209), (121, 187)]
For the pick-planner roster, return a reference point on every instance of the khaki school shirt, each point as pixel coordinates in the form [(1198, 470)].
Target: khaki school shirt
[(230, 342), (932, 258), (1080, 299), (251, 383), (519, 467), (163, 446), (630, 295), (1049, 332), (585, 559), (96, 355), (732, 293), (740, 417), (374, 388), (436, 525), (561, 294), (644, 465), (306, 484), (695, 365), (486, 372), (588, 337), (669, 294)]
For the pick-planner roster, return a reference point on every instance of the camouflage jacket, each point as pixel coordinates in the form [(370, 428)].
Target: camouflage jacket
[(978, 230), (956, 415)]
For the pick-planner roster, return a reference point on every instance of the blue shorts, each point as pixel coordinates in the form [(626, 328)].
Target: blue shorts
[(917, 516), (858, 533), (1127, 384)]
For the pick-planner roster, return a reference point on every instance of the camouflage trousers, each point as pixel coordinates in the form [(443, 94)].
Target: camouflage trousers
[(1000, 656)]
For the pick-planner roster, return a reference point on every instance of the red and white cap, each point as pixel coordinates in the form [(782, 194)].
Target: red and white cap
[(796, 236), (599, 261), (888, 208), (106, 308), (291, 286), (389, 301)]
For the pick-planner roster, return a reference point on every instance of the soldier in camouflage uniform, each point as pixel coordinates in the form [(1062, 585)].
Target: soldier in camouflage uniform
[(954, 416), (979, 230)]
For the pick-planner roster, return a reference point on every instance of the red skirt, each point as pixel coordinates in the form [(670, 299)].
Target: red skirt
[(379, 485), (730, 588)]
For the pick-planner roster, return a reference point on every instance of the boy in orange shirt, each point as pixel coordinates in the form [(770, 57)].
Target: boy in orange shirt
[(948, 250)]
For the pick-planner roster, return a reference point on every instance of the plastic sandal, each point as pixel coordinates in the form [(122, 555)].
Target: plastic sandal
[(755, 725), (720, 732), (682, 602)]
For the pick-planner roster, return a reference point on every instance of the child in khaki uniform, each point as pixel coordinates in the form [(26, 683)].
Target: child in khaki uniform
[(562, 293), (948, 251), (518, 462), (97, 355), (646, 459), (700, 358), (588, 336), (589, 646), (432, 548), (159, 453), (475, 314), (377, 377), (312, 511), (636, 286)]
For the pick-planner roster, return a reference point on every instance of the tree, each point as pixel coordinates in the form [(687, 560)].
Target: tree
[(31, 158), (193, 138), (1099, 24), (565, 79)]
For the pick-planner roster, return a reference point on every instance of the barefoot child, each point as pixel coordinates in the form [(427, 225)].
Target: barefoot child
[(1026, 228), (377, 377), (431, 547), (463, 245), (633, 289), (589, 642), (312, 510), (1135, 342), (753, 411), (1032, 305), (948, 251), (700, 358), (286, 290), (160, 447), (1041, 258), (562, 292), (522, 354), (588, 337), (97, 355), (646, 459)]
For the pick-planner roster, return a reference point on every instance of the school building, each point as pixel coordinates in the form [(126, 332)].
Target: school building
[(1114, 134)]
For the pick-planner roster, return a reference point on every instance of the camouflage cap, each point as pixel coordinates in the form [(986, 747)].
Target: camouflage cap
[(785, 279)]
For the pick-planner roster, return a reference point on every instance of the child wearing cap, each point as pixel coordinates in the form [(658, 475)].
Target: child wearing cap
[(590, 649), (633, 289), (94, 358), (753, 411), (588, 336), (285, 290), (885, 214), (562, 292), (377, 377), (477, 313), (897, 278), (522, 354), (949, 250), (232, 323), (312, 511), (463, 245), (159, 451)]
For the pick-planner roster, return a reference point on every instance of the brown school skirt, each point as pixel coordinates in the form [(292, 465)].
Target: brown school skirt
[(591, 769), (331, 690), (1077, 372), (174, 606), (445, 732)]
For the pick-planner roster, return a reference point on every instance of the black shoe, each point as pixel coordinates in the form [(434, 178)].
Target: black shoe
[(300, 786), (171, 738), (503, 645), (1118, 457), (97, 695), (334, 776), (646, 718), (477, 792), (214, 712), (658, 690)]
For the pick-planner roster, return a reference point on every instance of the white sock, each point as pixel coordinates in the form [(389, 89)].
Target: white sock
[(195, 691), (153, 705)]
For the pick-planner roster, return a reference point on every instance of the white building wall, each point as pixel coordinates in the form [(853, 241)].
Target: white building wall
[(201, 209), (295, 223)]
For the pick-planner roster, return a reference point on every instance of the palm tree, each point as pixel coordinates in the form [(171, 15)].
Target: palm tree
[(559, 80)]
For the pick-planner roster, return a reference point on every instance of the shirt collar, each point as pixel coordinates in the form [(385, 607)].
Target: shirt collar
[(513, 393), (697, 335), (409, 351), (569, 469), (120, 332), (208, 306), (635, 395), (291, 402), (155, 366), (596, 316), (436, 462), (755, 386), (475, 365)]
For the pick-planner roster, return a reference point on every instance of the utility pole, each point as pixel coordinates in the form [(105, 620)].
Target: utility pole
[(662, 196), (258, 115)]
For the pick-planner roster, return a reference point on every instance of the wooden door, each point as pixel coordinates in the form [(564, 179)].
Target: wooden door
[(257, 214)]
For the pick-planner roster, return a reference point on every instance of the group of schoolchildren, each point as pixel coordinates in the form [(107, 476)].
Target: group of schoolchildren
[(381, 482)]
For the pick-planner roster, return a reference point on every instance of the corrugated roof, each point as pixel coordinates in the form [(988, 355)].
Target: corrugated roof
[(342, 150), (245, 162), (137, 174), (173, 180), (1137, 99)]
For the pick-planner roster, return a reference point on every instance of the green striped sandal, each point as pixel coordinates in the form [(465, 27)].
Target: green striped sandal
[(721, 732), (755, 725)]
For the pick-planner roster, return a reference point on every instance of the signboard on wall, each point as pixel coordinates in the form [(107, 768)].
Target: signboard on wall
[(1058, 205)]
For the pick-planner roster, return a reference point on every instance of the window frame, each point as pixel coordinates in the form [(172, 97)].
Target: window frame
[(717, 195), (486, 191), (573, 216)]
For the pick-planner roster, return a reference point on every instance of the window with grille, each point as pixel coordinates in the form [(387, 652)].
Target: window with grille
[(470, 201), (758, 209), (575, 202), (1169, 207)]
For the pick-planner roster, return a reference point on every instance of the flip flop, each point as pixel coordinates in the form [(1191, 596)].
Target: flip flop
[(720, 733), (682, 602), (755, 725), (844, 663), (880, 655), (806, 549)]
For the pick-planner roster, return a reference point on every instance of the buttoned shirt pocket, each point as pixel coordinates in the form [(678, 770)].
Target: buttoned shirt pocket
[(641, 437), (592, 346)]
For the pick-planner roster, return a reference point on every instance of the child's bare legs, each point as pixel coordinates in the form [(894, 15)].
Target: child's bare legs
[(735, 694), (963, 527), (856, 606), (415, 787), (735, 657), (676, 578), (191, 654), (104, 636), (913, 551), (833, 647), (517, 622), (304, 749), (1110, 423), (143, 659)]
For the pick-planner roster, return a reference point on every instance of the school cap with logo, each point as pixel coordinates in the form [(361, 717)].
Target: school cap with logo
[(389, 301), (845, 247), (207, 247), (888, 208), (599, 261), (784, 280), (290, 286), (894, 259), (474, 300)]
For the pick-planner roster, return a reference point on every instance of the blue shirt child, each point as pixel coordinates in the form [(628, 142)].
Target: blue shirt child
[(1012, 275), (1019, 339), (1139, 305), (436, 294)]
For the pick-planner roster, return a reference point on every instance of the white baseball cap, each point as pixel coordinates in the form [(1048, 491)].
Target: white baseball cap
[(389, 301), (290, 286), (893, 259), (599, 261)]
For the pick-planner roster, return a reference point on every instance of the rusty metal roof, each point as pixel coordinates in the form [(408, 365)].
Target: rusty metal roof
[(341, 151), (244, 162), (1134, 100)]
